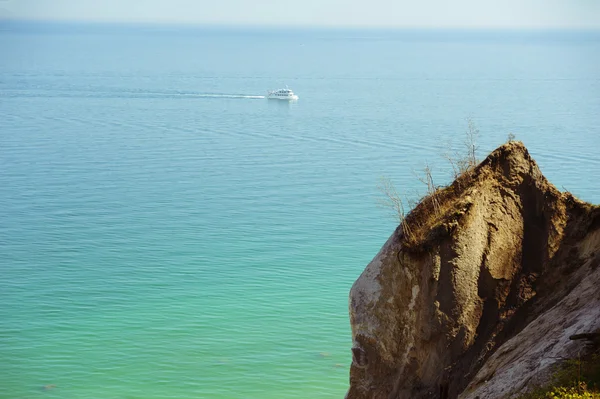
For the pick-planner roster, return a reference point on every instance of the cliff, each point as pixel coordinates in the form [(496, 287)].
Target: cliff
[(476, 294)]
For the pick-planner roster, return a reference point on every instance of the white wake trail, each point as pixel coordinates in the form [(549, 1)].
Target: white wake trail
[(225, 96)]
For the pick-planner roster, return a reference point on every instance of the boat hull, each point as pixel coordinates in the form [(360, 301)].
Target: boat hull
[(285, 98)]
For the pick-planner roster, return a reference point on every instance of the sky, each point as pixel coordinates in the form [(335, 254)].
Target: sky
[(536, 14)]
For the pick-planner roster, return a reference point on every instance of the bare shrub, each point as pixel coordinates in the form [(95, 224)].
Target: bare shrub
[(392, 200), (427, 179), (471, 143), (438, 200), (462, 162)]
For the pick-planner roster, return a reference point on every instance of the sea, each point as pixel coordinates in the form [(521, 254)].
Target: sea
[(168, 232)]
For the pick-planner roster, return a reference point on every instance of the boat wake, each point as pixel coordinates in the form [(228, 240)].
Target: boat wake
[(122, 94), (224, 96)]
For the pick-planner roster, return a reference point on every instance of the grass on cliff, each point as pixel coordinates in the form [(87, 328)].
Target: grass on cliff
[(572, 379), (429, 214)]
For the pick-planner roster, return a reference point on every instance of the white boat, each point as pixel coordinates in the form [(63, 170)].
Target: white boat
[(282, 94)]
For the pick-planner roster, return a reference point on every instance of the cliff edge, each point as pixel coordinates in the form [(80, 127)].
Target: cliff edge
[(476, 293)]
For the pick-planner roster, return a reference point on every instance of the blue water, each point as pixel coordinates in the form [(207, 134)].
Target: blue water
[(166, 234)]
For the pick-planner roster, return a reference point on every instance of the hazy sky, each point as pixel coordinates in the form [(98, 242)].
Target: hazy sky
[(399, 13)]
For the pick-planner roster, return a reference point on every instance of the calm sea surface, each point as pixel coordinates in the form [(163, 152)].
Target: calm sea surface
[(167, 233)]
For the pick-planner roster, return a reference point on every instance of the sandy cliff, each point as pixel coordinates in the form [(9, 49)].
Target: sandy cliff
[(477, 293)]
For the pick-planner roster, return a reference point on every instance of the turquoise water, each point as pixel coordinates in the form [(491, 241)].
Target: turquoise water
[(164, 234)]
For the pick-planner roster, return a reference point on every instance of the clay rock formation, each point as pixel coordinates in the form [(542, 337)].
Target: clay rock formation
[(477, 292)]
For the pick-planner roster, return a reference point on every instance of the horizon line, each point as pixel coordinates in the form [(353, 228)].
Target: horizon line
[(189, 24)]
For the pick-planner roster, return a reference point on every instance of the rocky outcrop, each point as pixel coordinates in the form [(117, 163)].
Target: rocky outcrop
[(476, 293)]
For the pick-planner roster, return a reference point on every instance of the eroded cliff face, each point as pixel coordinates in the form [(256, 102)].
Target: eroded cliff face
[(496, 270)]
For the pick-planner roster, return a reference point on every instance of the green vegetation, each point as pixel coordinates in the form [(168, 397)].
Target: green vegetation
[(573, 379)]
